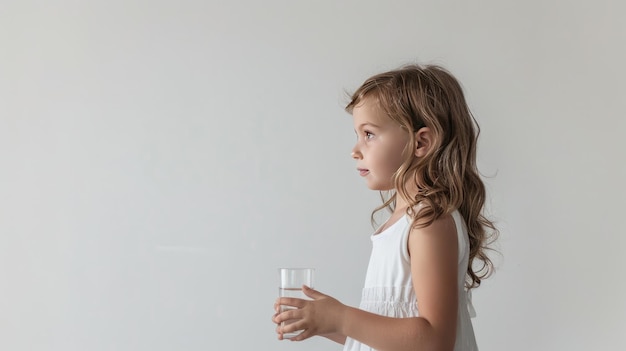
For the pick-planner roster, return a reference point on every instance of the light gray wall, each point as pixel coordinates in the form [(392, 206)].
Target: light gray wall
[(161, 159)]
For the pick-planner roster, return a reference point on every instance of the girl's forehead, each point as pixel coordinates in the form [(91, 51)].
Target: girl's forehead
[(369, 111)]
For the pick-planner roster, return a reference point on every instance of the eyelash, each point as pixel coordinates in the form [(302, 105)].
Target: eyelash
[(367, 135)]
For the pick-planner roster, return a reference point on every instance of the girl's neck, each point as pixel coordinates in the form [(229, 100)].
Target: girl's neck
[(400, 207), (400, 203), (411, 189)]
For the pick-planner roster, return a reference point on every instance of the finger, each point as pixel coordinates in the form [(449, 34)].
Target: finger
[(279, 332), (291, 327), (312, 293), (291, 301), (302, 336), (288, 316), (276, 319)]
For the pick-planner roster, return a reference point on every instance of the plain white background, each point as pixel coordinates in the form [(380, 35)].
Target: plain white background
[(159, 160)]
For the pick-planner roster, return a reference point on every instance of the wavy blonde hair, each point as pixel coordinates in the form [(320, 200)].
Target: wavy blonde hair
[(447, 176)]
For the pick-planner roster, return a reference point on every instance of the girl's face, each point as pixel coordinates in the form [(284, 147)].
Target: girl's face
[(379, 147)]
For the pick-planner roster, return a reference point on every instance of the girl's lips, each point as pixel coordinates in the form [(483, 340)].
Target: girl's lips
[(363, 171)]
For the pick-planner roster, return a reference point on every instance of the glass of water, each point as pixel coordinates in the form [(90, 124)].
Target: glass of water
[(291, 281)]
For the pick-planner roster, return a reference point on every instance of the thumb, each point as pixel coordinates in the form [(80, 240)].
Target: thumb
[(314, 294)]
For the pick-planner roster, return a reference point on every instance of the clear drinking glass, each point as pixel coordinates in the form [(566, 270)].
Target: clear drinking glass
[(291, 281)]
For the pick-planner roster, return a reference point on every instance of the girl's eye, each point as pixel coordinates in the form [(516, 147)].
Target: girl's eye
[(368, 135)]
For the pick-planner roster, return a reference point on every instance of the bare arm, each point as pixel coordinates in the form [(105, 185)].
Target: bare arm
[(434, 254), (338, 338)]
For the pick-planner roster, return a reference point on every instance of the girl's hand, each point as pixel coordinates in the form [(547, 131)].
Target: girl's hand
[(320, 316)]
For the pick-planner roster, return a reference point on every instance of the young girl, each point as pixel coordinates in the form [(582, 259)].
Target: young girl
[(416, 142)]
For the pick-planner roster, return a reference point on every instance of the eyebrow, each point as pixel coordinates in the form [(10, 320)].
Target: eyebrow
[(368, 124)]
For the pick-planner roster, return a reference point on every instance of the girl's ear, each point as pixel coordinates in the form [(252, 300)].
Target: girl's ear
[(424, 140)]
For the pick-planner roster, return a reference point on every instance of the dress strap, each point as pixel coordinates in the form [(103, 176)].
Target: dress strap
[(470, 305)]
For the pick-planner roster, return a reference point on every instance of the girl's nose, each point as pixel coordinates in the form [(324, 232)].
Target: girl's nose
[(356, 154)]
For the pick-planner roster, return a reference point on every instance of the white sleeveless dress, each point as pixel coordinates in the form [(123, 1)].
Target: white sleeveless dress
[(388, 289)]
